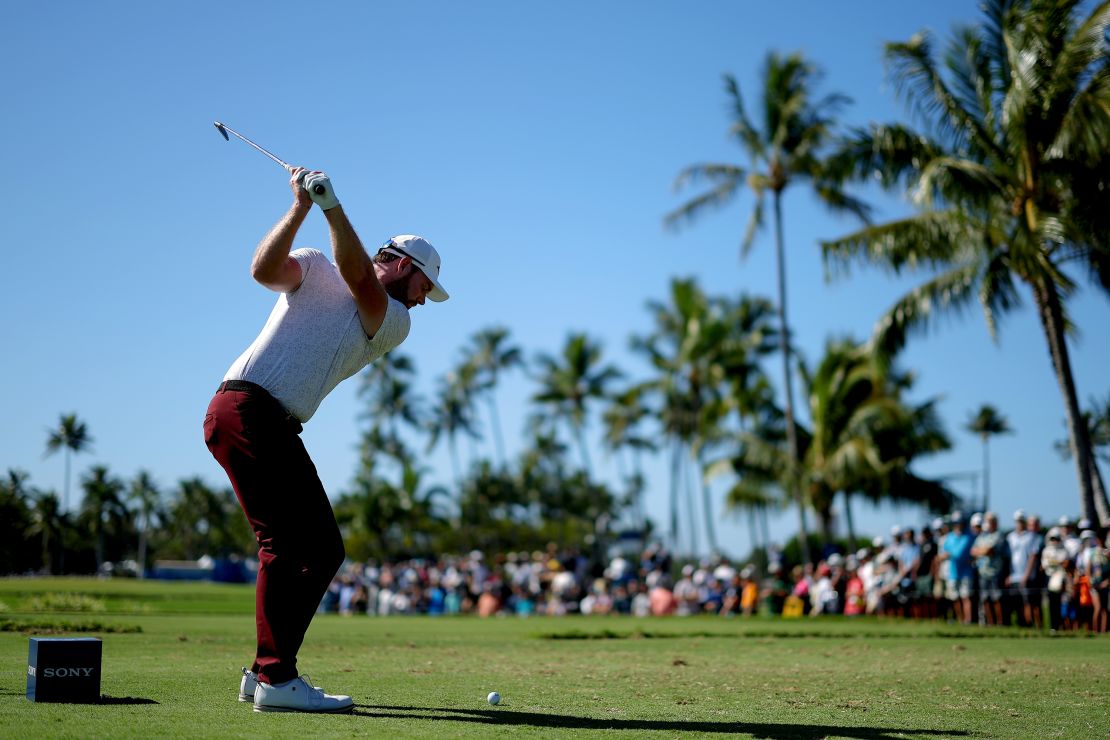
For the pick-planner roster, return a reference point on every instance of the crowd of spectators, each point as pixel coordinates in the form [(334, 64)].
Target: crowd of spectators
[(959, 569)]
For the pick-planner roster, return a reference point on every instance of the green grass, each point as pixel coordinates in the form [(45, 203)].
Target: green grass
[(623, 677)]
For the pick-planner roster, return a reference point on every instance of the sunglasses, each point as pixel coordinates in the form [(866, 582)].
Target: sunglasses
[(394, 248)]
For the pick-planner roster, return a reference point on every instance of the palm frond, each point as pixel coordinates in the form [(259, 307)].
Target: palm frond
[(890, 154), (742, 126), (929, 239), (916, 76), (950, 292), (729, 180)]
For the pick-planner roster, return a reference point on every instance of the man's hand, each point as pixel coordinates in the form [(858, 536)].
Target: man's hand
[(314, 183), (296, 181)]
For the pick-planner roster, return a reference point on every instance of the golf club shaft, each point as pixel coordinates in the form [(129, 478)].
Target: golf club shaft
[(244, 139), (318, 189)]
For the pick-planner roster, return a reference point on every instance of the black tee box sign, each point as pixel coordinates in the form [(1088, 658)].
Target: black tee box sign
[(64, 669)]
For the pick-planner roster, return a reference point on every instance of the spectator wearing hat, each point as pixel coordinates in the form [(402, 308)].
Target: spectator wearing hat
[(775, 591), (1069, 537), (1091, 565), (1036, 578), (686, 593), (940, 570), (909, 559), (1021, 546), (988, 551), (1054, 561), (925, 607), (957, 554)]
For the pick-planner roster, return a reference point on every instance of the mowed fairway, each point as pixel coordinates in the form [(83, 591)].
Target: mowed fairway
[(627, 677)]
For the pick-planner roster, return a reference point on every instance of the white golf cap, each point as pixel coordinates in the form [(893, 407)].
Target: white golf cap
[(1086, 534), (424, 256), (1019, 515), (976, 519)]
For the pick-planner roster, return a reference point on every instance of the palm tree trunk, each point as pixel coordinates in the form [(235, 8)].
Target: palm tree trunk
[(707, 506), (638, 468), (825, 524), (788, 384), (691, 516), (986, 473), (452, 448), (1051, 315), (765, 527), (848, 520), (65, 496), (580, 437), (495, 422), (65, 511), (753, 514), (676, 461)]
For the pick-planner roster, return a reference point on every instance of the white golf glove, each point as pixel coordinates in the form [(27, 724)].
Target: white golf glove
[(318, 181)]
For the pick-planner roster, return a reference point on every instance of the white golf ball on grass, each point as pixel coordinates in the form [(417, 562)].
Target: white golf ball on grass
[(494, 698)]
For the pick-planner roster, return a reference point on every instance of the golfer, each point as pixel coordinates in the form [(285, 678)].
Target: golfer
[(329, 322)]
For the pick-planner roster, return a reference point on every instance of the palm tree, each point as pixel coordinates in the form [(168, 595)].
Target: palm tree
[(15, 521), (787, 148), (1009, 179), (676, 350), (200, 519), (863, 440), (1099, 425), (987, 422), (72, 436), (452, 414), (1096, 418), (145, 495), (622, 420), (491, 354), (49, 524), (391, 401), (568, 384), (104, 507)]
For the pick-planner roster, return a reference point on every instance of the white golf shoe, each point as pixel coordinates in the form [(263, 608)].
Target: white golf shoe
[(298, 695), (247, 685)]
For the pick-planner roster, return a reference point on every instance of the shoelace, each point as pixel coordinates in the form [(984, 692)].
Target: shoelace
[(312, 689)]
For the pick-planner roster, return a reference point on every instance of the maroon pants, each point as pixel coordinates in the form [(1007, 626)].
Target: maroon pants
[(299, 545)]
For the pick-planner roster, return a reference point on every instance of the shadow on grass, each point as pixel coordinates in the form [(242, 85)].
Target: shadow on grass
[(104, 699), (766, 730), (120, 700)]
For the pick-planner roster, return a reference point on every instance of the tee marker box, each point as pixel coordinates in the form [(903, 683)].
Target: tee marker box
[(64, 669)]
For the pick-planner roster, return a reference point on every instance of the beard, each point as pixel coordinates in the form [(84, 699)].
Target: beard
[(398, 288)]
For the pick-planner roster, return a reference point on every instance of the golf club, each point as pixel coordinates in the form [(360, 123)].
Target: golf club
[(224, 131)]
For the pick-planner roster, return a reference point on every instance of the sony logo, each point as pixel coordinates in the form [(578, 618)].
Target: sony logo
[(66, 672)]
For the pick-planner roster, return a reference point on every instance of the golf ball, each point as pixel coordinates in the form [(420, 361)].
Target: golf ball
[(494, 698)]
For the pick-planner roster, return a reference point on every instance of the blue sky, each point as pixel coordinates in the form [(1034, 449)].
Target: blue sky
[(534, 144)]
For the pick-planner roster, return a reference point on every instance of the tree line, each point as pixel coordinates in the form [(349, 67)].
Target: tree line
[(1004, 162)]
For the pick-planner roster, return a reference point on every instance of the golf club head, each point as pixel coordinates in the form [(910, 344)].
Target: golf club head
[(318, 189)]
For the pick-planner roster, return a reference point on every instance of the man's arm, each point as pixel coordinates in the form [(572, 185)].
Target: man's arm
[(355, 266), (357, 270), (272, 266)]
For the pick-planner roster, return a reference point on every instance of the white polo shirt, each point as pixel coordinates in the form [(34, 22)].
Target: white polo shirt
[(314, 339)]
